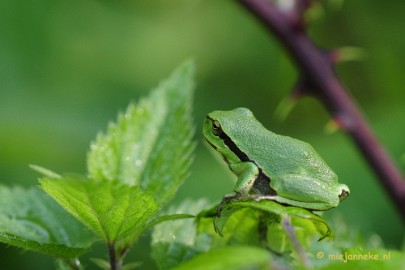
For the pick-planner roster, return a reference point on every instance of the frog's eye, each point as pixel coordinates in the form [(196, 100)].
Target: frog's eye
[(216, 128)]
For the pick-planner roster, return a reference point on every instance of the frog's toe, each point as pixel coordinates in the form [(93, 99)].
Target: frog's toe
[(227, 199)]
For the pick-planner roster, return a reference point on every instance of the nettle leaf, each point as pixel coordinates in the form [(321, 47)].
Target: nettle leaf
[(231, 257), (30, 219), (177, 241), (113, 210), (298, 215), (150, 145), (241, 228), (44, 171), (165, 218)]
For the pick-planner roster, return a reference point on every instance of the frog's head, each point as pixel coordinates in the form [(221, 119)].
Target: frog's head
[(219, 131), (344, 192)]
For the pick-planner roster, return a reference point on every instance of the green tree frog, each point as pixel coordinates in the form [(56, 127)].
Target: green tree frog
[(271, 166)]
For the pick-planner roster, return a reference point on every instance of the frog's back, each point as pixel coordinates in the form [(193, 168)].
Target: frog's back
[(283, 154), (276, 154)]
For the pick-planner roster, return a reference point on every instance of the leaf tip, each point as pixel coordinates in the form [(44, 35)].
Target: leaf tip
[(44, 171)]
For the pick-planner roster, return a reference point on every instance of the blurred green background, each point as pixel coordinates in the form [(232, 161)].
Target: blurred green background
[(68, 67)]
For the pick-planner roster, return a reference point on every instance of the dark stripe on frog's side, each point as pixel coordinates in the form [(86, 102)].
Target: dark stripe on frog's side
[(262, 182), (232, 146)]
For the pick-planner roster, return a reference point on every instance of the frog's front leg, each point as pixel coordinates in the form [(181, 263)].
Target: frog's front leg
[(247, 173)]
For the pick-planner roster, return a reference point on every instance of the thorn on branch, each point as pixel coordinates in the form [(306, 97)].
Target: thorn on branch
[(285, 106), (347, 54), (335, 124), (301, 89)]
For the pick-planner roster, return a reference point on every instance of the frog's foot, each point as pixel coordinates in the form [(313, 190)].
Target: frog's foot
[(238, 196), (227, 199)]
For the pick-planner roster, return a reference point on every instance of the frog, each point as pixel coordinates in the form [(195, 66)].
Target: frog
[(270, 166)]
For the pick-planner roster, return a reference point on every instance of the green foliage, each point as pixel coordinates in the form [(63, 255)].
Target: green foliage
[(273, 213), (134, 170), (254, 237), (150, 144), (247, 244), (30, 219), (176, 242), (232, 257), (112, 210)]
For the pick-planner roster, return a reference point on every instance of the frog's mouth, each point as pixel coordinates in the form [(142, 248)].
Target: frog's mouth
[(344, 194), (212, 145)]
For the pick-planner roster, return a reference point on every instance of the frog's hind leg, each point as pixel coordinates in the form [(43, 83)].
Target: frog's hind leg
[(304, 191)]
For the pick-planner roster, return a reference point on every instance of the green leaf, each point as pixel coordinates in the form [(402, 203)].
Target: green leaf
[(113, 210), (164, 218), (150, 145), (44, 171), (297, 214), (231, 257), (177, 241), (30, 219), (241, 228)]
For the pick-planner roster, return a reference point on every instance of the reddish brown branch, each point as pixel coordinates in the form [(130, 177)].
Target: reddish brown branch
[(318, 70)]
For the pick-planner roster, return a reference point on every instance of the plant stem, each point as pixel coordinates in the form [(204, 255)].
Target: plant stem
[(263, 230), (318, 71), (288, 228), (114, 262)]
